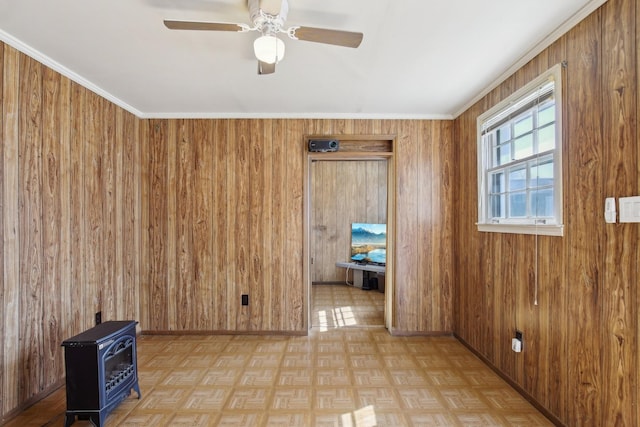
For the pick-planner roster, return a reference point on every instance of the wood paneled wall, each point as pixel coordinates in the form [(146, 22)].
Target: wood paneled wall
[(223, 214), (580, 356), (343, 192), (69, 215)]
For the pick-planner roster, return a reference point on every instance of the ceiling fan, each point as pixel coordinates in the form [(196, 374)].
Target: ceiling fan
[(268, 17)]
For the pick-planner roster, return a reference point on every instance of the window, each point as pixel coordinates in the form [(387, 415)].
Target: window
[(520, 160)]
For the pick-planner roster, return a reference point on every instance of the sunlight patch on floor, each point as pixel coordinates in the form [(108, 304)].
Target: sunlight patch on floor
[(363, 417), (338, 317)]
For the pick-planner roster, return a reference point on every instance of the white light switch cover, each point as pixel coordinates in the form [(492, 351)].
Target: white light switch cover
[(629, 209)]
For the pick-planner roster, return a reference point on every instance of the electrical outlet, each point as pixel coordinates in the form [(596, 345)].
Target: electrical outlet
[(98, 318), (245, 299), (516, 343)]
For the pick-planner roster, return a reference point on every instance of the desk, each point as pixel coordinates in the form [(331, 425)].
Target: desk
[(361, 275)]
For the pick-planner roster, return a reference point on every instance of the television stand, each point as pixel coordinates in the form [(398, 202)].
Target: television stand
[(362, 274)]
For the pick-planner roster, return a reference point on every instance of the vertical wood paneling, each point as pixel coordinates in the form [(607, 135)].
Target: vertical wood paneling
[(92, 217), (317, 221), (158, 220), (220, 237), (437, 310), (121, 239), (334, 206), (145, 233), (52, 225), (297, 317), (584, 254), (465, 242), (183, 286), (2, 201), (11, 230), (406, 264), (77, 321), (637, 260), (425, 202), (203, 225), (108, 195), (620, 387), (128, 225), (257, 210), (30, 205), (267, 247), (278, 226), (66, 184), (172, 143), (232, 283), (239, 222)]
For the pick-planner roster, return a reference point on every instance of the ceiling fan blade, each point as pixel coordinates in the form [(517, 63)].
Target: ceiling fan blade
[(323, 35), (266, 68), (205, 26)]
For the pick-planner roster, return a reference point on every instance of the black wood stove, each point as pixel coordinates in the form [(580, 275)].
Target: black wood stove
[(101, 367)]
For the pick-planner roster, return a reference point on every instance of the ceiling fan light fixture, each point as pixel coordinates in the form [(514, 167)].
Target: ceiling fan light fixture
[(269, 49)]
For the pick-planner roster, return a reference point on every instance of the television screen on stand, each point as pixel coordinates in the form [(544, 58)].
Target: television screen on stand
[(369, 243)]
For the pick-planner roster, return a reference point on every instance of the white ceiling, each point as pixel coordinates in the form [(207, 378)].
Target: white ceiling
[(418, 58)]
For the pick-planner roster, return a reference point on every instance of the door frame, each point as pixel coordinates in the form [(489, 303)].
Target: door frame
[(368, 149)]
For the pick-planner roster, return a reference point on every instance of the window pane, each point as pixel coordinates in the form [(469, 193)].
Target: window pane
[(497, 206), (517, 179), (517, 205), (504, 133), (523, 125), (542, 202), (502, 155), (546, 115), (523, 147), (497, 183), (519, 146), (546, 138), (542, 175)]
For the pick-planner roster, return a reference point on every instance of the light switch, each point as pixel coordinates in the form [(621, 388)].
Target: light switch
[(629, 209), (610, 210)]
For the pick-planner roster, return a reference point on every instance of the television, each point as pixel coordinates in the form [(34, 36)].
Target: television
[(369, 243)]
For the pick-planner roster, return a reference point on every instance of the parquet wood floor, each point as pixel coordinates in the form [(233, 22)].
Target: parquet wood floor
[(336, 376)]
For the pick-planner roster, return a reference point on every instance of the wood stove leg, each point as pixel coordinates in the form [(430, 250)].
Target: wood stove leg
[(136, 388)]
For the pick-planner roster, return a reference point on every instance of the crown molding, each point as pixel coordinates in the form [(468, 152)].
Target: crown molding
[(56, 66)]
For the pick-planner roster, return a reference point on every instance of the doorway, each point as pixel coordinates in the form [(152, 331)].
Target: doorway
[(353, 185)]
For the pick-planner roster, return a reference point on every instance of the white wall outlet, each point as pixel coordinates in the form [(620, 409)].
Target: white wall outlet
[(516, 345)]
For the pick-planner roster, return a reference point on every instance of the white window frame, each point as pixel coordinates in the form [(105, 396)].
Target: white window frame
[(550, 226)]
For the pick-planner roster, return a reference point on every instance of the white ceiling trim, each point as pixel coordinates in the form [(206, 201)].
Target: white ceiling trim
[(45, 60), (535, 51)]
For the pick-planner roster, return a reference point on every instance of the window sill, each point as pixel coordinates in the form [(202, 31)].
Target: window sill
[(541, 230)]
